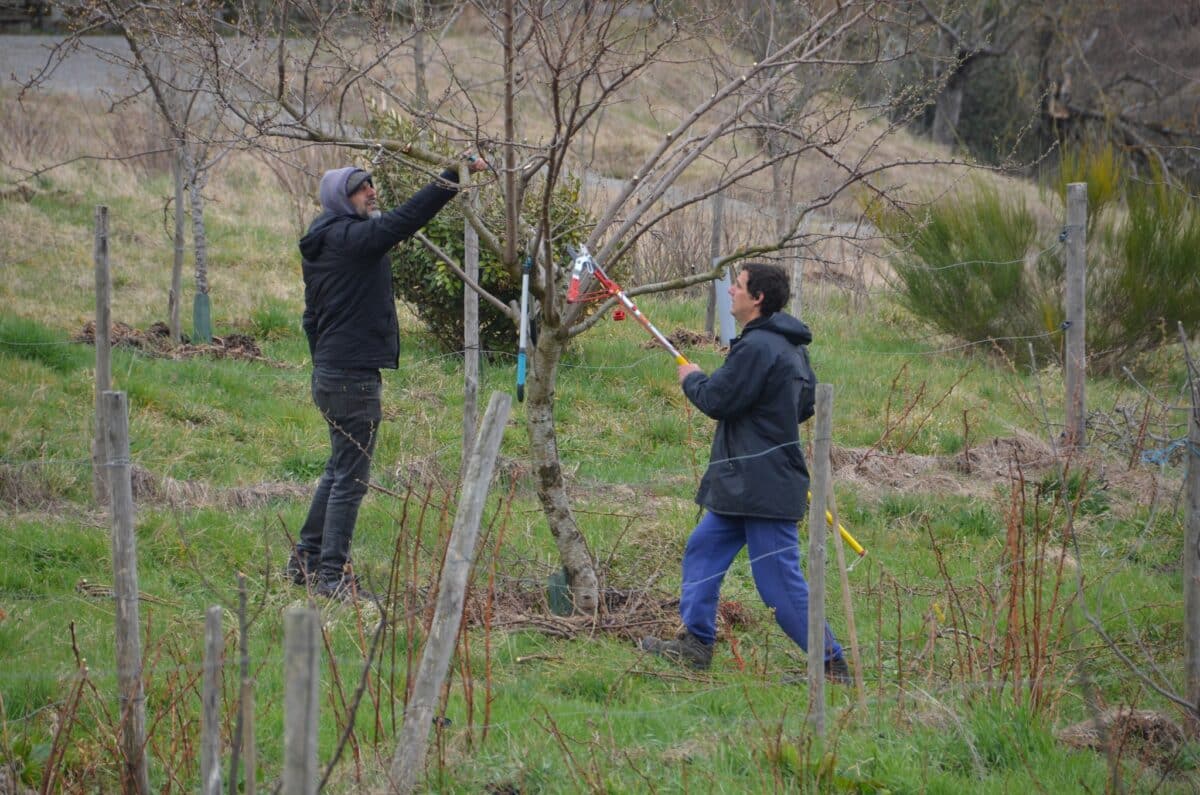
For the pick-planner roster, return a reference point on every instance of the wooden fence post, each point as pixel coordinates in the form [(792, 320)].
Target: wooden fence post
[(1191, 548), (244, 749), (409, 758), (301, 699), (1075, 368), (134, 775), (103, 336), (822, 441), (210, 700)]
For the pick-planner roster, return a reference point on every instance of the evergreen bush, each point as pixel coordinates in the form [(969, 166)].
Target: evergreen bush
[(424, 282), (971, 267), (1148, 278), (961, 268)]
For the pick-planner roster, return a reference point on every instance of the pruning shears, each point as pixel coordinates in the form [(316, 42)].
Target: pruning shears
[(524, 327), (585, 266)]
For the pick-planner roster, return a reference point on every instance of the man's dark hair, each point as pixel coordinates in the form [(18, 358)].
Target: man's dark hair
[(769, 281)]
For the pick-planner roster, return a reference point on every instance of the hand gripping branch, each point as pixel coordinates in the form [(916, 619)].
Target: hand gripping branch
[(584, 267), (524, 331)]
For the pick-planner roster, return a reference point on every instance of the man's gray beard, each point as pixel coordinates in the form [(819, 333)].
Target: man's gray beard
[(374, 213)]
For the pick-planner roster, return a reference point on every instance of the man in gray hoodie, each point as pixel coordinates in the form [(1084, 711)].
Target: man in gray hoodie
[(350, 321)]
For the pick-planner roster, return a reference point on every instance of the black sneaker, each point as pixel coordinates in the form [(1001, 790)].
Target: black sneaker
[(346, 588), (837, 672), (687, 649), (301, 569)]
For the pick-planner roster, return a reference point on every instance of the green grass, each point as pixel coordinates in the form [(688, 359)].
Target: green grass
[(565, 715)]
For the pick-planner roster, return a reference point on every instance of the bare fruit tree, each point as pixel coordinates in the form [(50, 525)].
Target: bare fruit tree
[(557, 80)]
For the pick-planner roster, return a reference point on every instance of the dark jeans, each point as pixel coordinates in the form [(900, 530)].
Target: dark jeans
[(774, 561), (351, 403)]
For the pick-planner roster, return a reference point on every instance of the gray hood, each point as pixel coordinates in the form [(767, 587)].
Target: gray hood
[(333, 191)]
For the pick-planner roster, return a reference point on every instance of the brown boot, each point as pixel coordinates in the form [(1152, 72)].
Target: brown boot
[(687, 650)]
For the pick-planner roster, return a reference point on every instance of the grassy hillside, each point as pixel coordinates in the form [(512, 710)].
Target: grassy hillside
[(985, 557)]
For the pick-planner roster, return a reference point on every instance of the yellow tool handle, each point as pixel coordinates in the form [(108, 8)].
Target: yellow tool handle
[(849, 539)]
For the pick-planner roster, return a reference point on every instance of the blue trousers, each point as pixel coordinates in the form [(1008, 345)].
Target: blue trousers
[(774, 560), (351, 401)]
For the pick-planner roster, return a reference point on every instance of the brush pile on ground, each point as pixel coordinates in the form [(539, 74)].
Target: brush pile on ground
[(156, 341)]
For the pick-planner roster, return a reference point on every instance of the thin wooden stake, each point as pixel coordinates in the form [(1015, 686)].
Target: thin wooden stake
[(470, 332), (1191, 548), (103, 336), (210, 699), (817, 530), (714, 254), (848, 603), (408, 761), (1076, 300), (134, 774), (244, 750)]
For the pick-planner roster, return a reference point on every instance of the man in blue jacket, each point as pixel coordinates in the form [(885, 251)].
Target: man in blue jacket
[(756, 485), (350, 321)]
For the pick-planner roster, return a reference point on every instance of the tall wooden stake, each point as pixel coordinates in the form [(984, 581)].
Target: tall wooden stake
[(409, 758), (175, 298), (134, 775), (1076, 298), (471, 351), (714, 253), (848, 604), (1191, 549), (103, 352), (822, 441)]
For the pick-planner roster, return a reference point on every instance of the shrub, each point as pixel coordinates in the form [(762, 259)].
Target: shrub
[(1146, 281), (427, 285), (962, 268), (967, 269)]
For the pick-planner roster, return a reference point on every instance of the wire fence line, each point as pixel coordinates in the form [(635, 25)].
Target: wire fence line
[(1034, 257)]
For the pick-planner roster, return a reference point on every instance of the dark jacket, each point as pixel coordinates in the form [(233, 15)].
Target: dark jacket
[(349, 308), (759, 397)]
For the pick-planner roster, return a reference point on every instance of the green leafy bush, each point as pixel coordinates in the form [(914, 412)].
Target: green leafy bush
[(424, 282)]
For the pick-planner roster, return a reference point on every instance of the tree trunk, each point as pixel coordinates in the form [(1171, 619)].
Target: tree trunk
[(947, 110), (539, 411), (420, 91)]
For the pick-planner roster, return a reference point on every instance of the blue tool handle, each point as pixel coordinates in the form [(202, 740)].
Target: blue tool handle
[(521, 376)]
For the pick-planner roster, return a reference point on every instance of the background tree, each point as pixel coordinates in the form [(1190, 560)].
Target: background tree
[(158, 55)]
